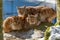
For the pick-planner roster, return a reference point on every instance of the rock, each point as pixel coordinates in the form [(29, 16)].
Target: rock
[(54, 32), (28, 35)]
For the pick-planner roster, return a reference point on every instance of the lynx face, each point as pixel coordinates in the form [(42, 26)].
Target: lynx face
[(32, 19), (17, 23)]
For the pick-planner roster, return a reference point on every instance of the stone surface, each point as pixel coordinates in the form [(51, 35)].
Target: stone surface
[(55, 32), (28, 35)]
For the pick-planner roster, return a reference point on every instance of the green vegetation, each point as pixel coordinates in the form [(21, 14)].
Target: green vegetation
[(1, 37), (58, 12), (47, 34), (44, 25), (57, 23), (57, 39)]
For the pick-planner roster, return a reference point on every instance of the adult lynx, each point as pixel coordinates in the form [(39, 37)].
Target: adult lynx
[(45, 14)]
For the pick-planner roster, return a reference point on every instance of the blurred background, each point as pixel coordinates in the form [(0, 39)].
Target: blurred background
[(9, 6), (1, 38)]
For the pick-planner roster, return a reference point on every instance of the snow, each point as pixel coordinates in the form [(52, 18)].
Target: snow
[(55, 32)]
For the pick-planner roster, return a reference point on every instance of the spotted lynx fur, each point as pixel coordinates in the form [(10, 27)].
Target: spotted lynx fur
[(28, 17), (45, 13)]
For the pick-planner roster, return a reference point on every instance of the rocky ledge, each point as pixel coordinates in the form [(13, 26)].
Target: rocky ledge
[(27, 35)]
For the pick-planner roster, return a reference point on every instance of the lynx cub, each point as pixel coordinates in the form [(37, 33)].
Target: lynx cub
[(12, 23)]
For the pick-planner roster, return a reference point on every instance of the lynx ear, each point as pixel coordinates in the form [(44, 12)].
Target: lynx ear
[(18, 7), (19, 11), (24, 7)]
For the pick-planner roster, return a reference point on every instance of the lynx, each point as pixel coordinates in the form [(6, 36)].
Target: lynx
[(12, 23), (45, 14), (15, 23)]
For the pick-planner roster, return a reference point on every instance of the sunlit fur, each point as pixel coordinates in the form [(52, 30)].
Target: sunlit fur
[(15, 23), (12, 23), (45, 13), (28, 17)]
